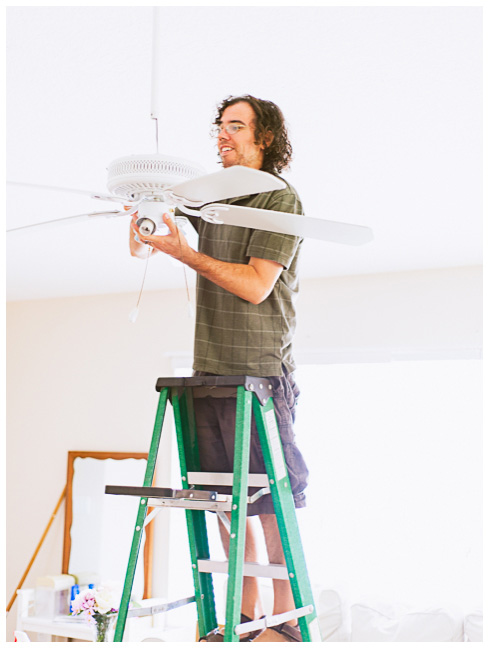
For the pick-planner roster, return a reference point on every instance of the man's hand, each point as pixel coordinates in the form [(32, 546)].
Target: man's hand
[(174, 244)]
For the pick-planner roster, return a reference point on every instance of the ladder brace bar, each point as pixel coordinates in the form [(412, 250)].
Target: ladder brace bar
[(161, 607)]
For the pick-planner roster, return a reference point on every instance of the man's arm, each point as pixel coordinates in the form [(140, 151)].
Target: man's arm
[(253, 281)]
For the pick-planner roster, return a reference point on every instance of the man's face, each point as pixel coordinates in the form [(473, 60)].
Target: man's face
[(240, 148)]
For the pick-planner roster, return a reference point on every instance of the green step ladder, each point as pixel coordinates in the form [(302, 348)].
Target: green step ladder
[(253, 394)]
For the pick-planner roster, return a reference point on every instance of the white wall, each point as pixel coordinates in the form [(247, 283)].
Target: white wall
[(81, 377), (418, 314)]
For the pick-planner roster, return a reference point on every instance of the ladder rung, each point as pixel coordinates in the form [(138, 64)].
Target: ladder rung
[(277, 572), (276, 619), (224, 479)]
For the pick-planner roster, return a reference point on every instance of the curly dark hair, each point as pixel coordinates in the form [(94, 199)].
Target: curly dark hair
[(268, 119)]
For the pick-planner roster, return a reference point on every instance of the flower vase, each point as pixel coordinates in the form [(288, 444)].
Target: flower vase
[(104, 627)]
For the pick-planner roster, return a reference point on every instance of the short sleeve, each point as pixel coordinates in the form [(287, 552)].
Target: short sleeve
[(280, 248)]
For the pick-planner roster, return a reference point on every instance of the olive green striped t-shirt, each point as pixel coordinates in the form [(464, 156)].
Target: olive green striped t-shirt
[(232, 335)]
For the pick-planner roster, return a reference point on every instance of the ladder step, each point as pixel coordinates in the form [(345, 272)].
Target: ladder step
[(261, 387), (153, 491), (277, 572), (276, 619), (224, 479)]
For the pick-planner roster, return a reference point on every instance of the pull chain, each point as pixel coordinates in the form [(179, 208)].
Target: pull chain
[(191, 312), (135, 311)]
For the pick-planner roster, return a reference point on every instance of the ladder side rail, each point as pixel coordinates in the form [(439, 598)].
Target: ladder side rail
[(238, 513), (197, 517), (139, 527), (283, 501), (188, 453)]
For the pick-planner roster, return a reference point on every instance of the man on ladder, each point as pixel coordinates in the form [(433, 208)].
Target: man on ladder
[(245, 321)]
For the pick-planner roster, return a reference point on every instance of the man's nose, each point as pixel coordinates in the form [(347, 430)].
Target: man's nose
[(223, 134)]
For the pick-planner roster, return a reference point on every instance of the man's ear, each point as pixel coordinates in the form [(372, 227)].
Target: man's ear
[(268, 139)]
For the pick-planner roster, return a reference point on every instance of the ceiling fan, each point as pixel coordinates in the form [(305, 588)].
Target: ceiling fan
[(141, 183)]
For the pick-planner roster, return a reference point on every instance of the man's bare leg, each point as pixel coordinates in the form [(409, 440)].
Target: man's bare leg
[(283, 601), (251, 603)]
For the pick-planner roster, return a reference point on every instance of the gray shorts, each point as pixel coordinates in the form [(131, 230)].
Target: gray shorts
[(216, 417)]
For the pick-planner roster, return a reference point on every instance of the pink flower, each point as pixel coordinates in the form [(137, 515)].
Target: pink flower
[(90, 602)]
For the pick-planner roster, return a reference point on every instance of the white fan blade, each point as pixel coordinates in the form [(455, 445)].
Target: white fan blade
[(74, 219), (92, 194), (285, 223), (228, 183)]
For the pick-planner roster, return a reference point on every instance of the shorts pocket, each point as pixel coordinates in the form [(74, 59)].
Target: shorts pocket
[(296, 466)]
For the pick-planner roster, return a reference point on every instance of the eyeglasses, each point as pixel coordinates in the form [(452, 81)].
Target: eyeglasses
[(231, 129)]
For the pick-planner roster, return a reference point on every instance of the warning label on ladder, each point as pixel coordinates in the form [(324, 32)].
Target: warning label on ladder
[(275, 445)]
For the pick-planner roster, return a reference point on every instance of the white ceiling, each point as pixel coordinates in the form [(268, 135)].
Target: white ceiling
[(384, 106)]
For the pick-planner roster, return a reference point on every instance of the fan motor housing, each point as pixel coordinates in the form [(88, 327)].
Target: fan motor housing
[(138, 176)]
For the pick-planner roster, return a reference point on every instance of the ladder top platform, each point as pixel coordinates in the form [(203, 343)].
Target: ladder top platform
[(260, 386)]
